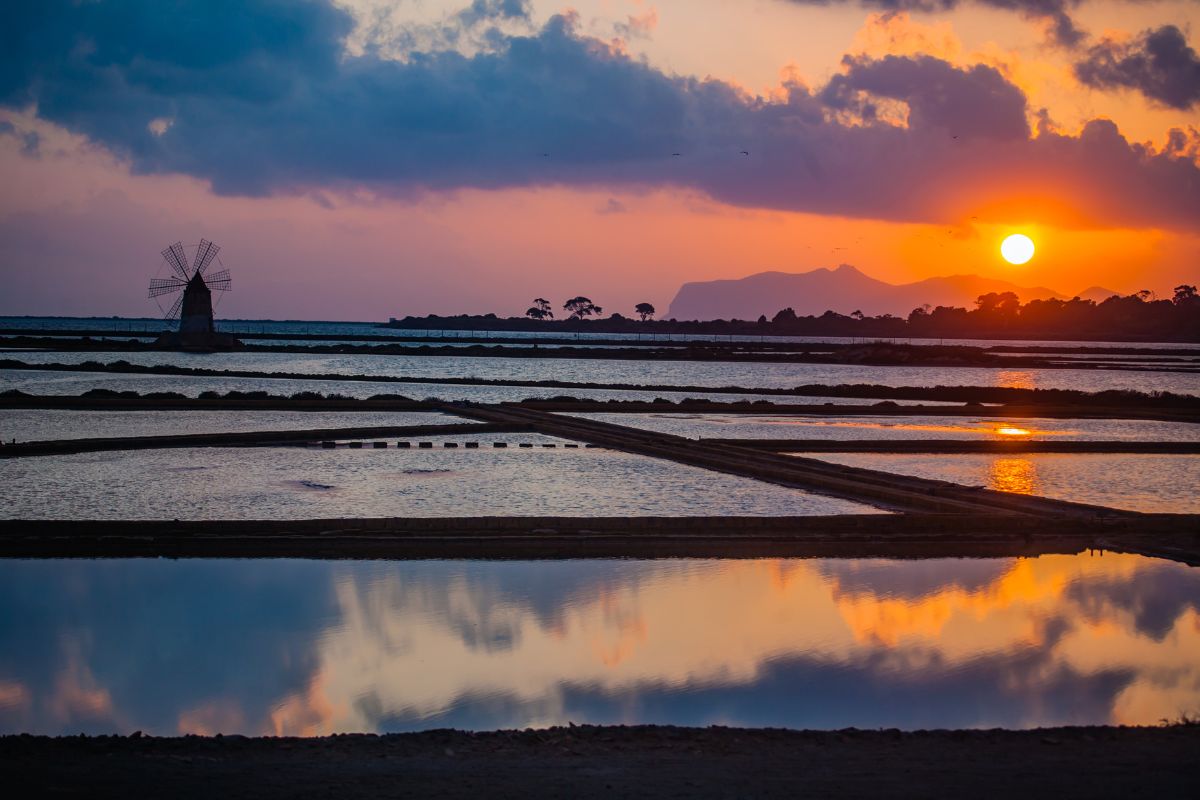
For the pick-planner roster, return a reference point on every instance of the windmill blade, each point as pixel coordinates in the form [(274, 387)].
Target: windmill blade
[(205, 253), (174, 312), (161, 286), (176, 258), (218, 281)]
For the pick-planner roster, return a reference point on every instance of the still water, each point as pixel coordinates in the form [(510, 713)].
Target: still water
[(1150, 483), (309, 647), (770, 426), (155, 325), (640, 373), (60, 383), (35, 425), (304, 483)]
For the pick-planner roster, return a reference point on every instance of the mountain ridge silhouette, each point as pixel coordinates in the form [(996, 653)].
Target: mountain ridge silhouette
[(843, 289)]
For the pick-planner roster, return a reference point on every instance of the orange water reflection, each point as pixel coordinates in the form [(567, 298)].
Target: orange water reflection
[(826, 643), (984, 427), (726, 624), (1018, 475), (1016, 379), (1013, 431)]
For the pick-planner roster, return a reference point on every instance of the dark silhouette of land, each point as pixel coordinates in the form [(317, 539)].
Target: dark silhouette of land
[(996, 315), (603, 762), (843, 289)]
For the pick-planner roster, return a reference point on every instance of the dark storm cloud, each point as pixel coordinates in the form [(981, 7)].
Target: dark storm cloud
[(1158, 63), (975, 102), (261, 99), (486, 10), (1056, 12)]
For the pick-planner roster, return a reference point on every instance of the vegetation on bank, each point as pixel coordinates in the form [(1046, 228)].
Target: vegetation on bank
[(968, 395), (1135, 317)]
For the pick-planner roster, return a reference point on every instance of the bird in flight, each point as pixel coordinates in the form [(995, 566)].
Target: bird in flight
[(745, 152)]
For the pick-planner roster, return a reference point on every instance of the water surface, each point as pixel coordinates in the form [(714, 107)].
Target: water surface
[(154, 325), (307, 647), (1151, 483), (632, 372), (70, 383), (33, 425), (779, 426), (303, 483)]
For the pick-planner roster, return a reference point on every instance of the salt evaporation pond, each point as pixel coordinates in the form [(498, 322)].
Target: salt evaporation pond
[(70, 383), (746, 375), (126, 326), (32, 425), (1150, 483), (769, 426), (296, 647), (303, 483)]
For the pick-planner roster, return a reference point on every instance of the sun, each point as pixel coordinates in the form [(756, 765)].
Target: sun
[(1017, 249)]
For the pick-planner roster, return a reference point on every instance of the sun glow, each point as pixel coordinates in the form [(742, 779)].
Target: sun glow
[(1009, 430), (1017, 248)]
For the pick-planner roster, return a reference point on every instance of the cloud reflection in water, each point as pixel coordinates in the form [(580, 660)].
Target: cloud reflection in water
[(301, 647)]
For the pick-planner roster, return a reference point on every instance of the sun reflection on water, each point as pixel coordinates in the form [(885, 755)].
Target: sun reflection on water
[(1013, 432), (1017, 475), (1016, 379)]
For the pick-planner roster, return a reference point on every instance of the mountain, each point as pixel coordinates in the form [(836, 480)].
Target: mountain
[(1097, 293), (843, 290)]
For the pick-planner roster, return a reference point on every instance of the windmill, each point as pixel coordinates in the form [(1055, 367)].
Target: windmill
[(193, 307)]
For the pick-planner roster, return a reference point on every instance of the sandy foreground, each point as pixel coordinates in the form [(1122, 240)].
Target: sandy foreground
[(588, 761)]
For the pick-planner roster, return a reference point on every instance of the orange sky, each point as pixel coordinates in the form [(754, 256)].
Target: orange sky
[(83, 232)]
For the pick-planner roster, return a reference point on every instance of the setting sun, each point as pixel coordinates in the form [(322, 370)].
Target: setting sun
[(1017, 249)]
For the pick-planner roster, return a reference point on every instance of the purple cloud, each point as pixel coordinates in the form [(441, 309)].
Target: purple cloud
[(1057, 12), (264, 101), (1158, 63)]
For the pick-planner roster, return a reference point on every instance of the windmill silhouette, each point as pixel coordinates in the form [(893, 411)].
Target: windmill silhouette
[(193, 307), (189, 289)]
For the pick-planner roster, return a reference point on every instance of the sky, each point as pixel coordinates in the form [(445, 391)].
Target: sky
[(361, 159)]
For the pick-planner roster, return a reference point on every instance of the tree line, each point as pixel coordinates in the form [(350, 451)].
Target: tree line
[(1002, 315), (996, 315), (581, 308)]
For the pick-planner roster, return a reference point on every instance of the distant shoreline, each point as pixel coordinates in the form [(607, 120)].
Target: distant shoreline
[(600, 761), (831, 325)]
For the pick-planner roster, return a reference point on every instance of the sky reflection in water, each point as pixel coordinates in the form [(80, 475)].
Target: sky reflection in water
[(832, 426), (1137, 482), (310, 647)]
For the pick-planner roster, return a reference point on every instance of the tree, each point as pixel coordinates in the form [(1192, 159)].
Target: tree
[(644, 310), (1002, 304), (786, 315), (581, 307), (1185, 295), (540, 309), (857, 314)]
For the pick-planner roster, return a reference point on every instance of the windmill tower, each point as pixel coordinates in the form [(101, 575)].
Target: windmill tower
[(193, 307)]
